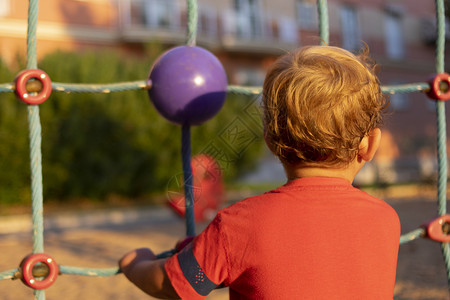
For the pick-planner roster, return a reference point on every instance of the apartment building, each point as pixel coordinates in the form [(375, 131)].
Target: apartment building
[(247, 35)]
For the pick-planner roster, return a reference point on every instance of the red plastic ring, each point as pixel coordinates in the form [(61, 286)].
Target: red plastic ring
[(21, 90), (435, 231), (27, 265), (435, 92)]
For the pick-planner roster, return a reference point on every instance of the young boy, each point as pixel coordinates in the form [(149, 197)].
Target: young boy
[(316, 237)]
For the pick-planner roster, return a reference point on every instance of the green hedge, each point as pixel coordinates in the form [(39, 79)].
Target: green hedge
[(95, 145), (14, 153)]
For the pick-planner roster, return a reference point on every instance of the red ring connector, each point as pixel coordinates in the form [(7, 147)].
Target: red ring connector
[(27, 266), (21, 86), (437, 91), (435, 229)]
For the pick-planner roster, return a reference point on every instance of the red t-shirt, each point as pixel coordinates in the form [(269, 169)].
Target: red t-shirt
[(313, 238)]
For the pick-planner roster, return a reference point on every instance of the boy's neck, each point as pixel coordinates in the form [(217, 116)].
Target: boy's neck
[(348, 172)]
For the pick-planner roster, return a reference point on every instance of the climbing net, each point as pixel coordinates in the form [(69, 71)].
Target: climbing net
[(40, 278)]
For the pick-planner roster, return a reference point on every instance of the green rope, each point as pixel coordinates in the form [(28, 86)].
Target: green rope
[(440, 110), (6, 88), (8, 274), (99, 88), (91, 272), (411, 236), (324, 29), (192, 15), (33, 9), (34, 126), (36, 178), (88, 88), (88, 272), (240, 90), (440, 41), (406, 88), (441, 131), (387, 89), (233, 89)]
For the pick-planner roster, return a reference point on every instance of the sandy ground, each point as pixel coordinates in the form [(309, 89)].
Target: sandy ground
[(420, 275)]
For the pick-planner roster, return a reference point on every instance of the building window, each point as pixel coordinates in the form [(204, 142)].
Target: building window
[(249, 76), (160, 13), (288, 30), (248, 18), (208, 22), (394, 35), (5, 8), (307, 15), (351, 39)]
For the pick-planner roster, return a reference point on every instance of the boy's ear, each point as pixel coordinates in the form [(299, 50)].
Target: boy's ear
[(369, 145)]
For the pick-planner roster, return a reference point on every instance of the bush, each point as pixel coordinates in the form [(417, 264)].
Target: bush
[(94, 145), (14, 151)]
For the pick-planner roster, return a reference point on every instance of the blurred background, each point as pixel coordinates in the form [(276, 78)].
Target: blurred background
[(100, 146), (115, 150)]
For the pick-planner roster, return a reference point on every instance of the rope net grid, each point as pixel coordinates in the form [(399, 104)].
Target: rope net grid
[(436, 230)]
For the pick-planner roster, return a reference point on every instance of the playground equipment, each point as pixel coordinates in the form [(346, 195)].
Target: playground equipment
[(208, 189), (188, 85), (39, 271)]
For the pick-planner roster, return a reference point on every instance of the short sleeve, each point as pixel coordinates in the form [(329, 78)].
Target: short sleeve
[(202, 265)]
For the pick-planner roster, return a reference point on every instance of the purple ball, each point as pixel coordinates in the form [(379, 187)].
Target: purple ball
[(189, 85)]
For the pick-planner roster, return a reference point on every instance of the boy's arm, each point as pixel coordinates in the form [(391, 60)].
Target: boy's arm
[(147, 272)]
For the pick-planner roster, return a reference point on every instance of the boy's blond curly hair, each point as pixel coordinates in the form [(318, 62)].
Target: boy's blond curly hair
[(319, 102)]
